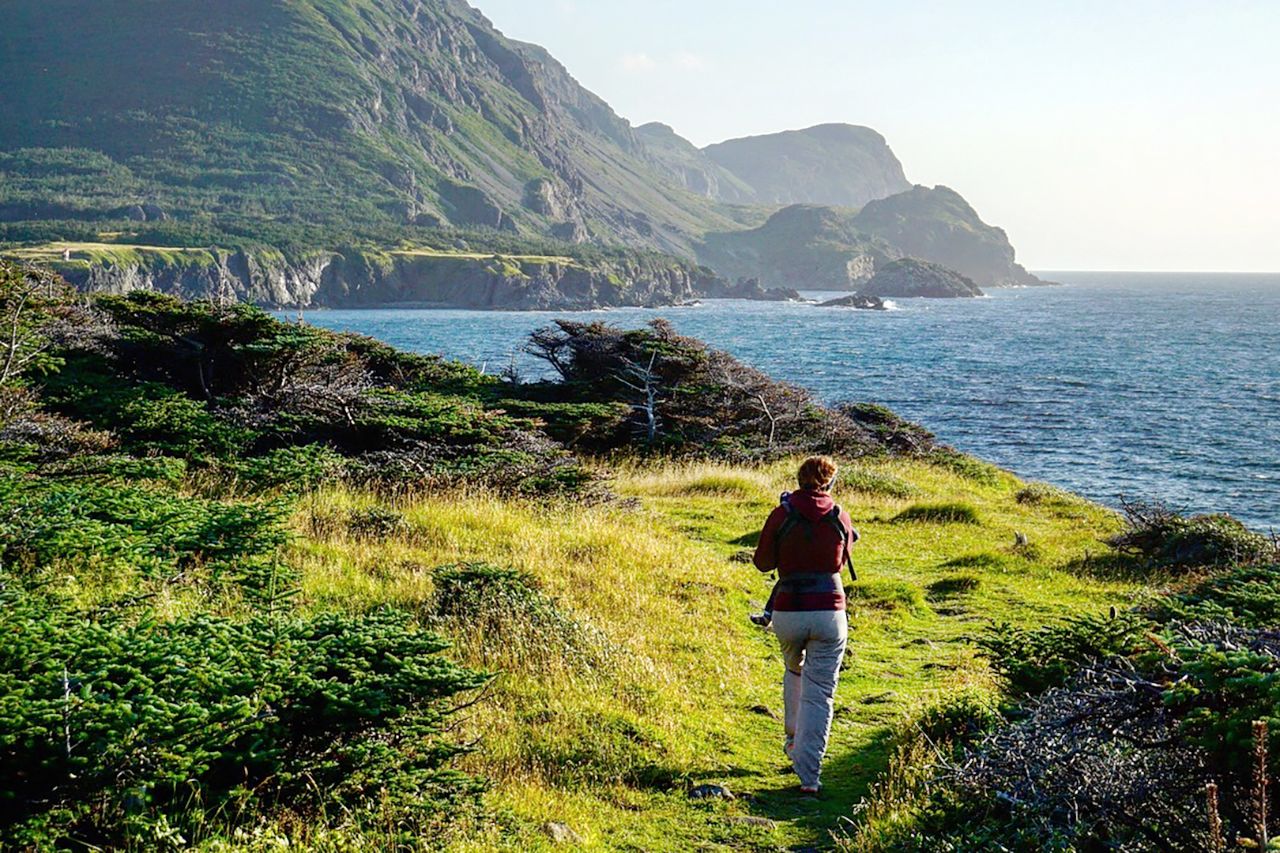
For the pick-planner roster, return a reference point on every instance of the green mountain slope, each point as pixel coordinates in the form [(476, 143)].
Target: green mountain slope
[(318, 113)]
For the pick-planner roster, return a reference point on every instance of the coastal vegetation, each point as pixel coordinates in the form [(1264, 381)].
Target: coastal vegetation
[(264, 584)]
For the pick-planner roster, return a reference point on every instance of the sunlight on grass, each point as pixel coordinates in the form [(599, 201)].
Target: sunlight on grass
[(680, 689)]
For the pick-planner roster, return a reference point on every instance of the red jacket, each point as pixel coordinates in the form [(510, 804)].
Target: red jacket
[(820, 552)]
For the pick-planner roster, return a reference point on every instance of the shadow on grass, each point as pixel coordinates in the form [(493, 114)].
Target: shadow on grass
[(1112, 566), (747, 540), (846, 779)]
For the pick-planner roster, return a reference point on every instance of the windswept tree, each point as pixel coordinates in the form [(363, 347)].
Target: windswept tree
[(685, 396), (37, 314)]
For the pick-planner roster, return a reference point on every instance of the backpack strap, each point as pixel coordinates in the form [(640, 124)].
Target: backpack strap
[(788, 524), (848, 537)]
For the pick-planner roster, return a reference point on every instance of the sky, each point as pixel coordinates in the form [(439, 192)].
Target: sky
[(1118, 135)]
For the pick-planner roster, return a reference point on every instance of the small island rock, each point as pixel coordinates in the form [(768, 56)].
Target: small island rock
[(864, 301)]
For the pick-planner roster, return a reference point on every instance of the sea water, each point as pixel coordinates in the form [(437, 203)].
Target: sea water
[(1149, 386)]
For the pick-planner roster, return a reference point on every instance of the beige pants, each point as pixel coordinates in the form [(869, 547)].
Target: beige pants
[(813, 644)]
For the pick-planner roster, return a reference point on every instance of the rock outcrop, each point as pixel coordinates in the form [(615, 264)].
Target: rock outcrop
[(863, 301), (749, 288), (911, 277), (808, 246)]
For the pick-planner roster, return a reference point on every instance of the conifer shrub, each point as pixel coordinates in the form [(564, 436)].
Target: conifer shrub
[(133, 530), (125, 732), (1243, 595), (686, 398), (1032, 660), (891, 431), (1166, 539)]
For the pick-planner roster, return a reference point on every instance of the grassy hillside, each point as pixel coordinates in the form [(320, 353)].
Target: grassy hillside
[(683, 690)]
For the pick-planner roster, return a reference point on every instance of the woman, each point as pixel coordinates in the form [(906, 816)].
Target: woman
[(807, 540)]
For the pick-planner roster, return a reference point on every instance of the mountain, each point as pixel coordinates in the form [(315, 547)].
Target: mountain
[(841, 165), (808, 246), (280, 131), (260, 115), (690, 167)]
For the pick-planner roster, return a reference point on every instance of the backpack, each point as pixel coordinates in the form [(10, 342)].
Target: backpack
[(796, 519)]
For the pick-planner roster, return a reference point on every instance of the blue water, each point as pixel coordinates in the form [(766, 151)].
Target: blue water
[(1148, 385)]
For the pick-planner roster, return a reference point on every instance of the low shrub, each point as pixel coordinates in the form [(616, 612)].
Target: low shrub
[(376, 523), (1166, 539), (869, 482), (1034, 659), (957, 719), (982, 560), (940, 513), (964, 465), (134, 734), (890, 430), (1243, 595), (954, 585), (1054, 499), (147, 530)]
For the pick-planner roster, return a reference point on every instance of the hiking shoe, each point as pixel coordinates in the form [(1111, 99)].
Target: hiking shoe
[(760, 620), (811, 790)]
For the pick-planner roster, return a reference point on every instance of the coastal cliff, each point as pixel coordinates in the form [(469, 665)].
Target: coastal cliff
[(366, 278)]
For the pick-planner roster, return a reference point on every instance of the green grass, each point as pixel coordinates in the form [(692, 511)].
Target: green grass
[(953, 512), (64, 255), (690, 692)]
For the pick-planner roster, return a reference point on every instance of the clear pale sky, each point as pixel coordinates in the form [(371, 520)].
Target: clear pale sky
[(1125, 135)]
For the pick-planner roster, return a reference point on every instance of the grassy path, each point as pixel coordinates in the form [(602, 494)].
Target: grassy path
[(678, 689)]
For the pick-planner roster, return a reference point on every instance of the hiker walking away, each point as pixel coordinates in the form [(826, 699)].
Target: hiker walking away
[(807, 539)]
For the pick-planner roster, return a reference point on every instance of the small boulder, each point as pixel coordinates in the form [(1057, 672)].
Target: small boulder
[(711, 792), (562, 834)]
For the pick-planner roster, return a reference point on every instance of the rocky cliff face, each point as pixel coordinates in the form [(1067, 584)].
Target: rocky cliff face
[(367, 280), (841, 165)]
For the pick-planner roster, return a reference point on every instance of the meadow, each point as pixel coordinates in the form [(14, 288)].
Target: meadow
[(681, 690)]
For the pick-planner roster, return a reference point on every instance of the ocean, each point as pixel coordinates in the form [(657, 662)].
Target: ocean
[(1148, 386)]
